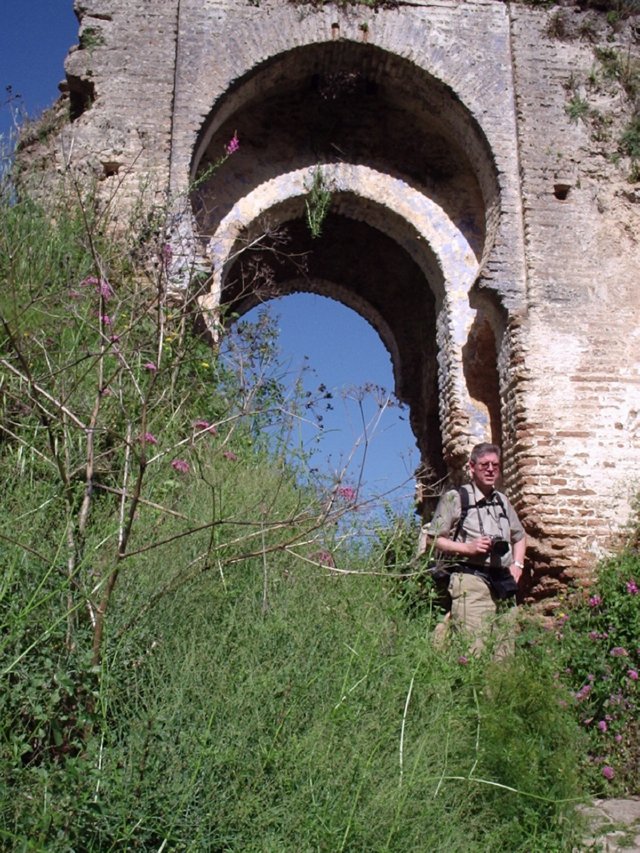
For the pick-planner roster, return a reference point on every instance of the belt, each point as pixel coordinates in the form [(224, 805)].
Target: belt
[(470, 569)]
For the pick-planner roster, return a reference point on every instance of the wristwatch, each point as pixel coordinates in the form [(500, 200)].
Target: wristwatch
[(518, 564)]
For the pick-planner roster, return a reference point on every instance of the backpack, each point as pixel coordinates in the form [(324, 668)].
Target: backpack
[(439, 569)]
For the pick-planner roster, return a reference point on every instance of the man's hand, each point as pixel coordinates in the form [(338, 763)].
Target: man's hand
[(479, 547), (516, 572)]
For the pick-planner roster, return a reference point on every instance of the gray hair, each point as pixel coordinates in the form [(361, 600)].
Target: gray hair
[(482, 450)]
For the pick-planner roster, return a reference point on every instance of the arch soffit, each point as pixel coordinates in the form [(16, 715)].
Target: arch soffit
[(407, 216), (411, 83)]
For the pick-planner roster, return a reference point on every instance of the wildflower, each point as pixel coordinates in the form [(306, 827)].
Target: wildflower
[(347, 492), (618, 738), (201, 425), (325, 558), (181, 466), (230, 455), (233, 144), (619, 652), (602, 725), (149, 438), (167, 254), (595, 601), (608, 772), (114, 338), (89, 281), (104, 289), (584, 691), (594, 635), (463, 660), (632, 587), (150, 366), (633, 674), (106, 320)]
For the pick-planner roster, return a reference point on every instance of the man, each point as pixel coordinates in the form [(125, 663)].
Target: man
[(484, 545)]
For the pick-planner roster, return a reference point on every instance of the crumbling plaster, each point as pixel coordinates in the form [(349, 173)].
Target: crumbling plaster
[(545, 282)]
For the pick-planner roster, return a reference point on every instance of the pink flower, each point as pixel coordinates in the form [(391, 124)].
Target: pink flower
[(608, 772), (463, 660), (106, 320), (619, 652), (633, 674), (149, 438), (602, 725), (114, 338), (593, 635), (201, 424), (583, 692), (90, 281), (595, 601), (632, 587), (150, 366), (105, 290), (347, 492), (233, 144), (230, 455), (181, 466)]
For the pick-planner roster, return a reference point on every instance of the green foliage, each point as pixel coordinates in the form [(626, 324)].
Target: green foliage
[(630, 141), (183, 667), (600, 661), (317, 203), (577, 108)]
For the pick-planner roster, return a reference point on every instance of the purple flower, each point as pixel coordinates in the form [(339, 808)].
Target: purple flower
[(201, 425), (618, 738), (595, 601), (104, 289), (149, 438), (619, 652), (633, 674), (584, 691), (90, 281), (106, 320), (347, 492), (632, 587), (325, 558), (181, 466), (114, 338), (608, 772), (233, 144), (593, 635), (150, 366), (230, 455), (602, 725)]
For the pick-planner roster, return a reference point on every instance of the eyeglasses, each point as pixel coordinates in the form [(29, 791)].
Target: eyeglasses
[(488, 466)]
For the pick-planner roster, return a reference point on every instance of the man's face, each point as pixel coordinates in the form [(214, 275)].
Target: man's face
[(485, 471)]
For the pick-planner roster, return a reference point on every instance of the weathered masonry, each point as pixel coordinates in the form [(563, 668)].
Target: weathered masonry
[(487, 237)]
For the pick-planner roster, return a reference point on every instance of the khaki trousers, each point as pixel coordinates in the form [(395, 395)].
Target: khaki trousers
[(476, 612)]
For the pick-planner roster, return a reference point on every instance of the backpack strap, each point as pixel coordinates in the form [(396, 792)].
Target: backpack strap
[(464, 509)]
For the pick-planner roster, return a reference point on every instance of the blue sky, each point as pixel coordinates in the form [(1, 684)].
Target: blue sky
[(338, 348)]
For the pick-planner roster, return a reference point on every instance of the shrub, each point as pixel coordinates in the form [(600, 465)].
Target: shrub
[(600, 660)]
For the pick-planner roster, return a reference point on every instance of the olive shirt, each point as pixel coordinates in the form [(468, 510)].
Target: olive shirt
[(485, 517)]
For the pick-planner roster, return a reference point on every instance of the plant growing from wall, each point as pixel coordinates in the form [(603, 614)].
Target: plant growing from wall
[(317, 203)]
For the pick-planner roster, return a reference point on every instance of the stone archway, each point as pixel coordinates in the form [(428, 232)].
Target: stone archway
[(413, 215)]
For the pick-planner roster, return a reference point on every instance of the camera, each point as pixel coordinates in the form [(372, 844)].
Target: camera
[(499, 546)]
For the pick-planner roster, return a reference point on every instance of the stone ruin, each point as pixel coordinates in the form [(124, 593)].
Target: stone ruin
[(483, 214)]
